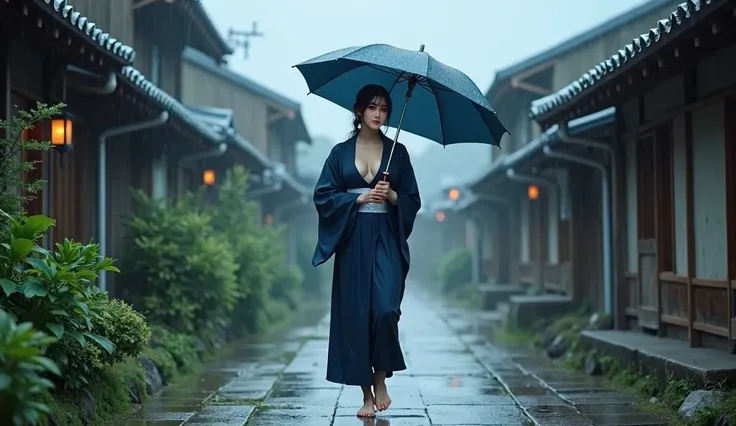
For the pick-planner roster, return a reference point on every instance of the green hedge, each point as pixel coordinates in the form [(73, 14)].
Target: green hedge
[(195, 271), (454, 270)]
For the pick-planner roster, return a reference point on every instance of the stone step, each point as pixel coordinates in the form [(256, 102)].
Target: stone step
[(663, 355), (493, 294)]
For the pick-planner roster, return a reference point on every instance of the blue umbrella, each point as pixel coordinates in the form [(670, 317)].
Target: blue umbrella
[(446, 107)]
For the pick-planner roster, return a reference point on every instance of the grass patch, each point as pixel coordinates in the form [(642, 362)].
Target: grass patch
[(110, 393)]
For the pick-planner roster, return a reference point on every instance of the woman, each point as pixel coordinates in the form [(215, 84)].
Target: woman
[(365, 220)]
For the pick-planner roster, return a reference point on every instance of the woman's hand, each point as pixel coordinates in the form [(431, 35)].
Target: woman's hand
[(385, 191), (372, 196)]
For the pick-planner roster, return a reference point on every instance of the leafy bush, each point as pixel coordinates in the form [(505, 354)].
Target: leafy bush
[(287, 286), (316, 280), (184, 270), (181, 347), (122, 325), (259, 250), (51, 289), (455, 269), (22, 371)]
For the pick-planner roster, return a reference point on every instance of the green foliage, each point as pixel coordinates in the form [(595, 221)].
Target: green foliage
[(15, 191), (181, 347), (316, 280), (455, 269), (164, 362), (287, 285), (259, 250), (122, 325), (110, 390), (183, 272), (22, 370), (51, 289)]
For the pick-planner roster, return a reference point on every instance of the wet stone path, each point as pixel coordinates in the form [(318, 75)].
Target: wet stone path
[(454, 377)]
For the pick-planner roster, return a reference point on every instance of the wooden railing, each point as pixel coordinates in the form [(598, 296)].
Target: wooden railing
[(677, 294)]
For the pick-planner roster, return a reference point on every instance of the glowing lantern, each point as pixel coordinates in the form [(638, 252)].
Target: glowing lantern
[(454, 194), (208, 177), (533, 192), (440, 216), (61, 133)]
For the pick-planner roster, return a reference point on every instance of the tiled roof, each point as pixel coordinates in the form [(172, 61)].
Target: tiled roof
[(576, 41), (684, 14), (534, 147), (221, 119), (172, 105), (66, 12), (199, 7), (207, 128)]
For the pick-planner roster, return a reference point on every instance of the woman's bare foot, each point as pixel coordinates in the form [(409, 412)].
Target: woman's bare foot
[(380, 392), (382, 399), (367, 410)]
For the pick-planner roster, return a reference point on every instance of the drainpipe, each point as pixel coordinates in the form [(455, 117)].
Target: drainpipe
[(564, 136), (188, 159), (110, 84), (102, 179), (552, 186), (501, 201), (606, 220)]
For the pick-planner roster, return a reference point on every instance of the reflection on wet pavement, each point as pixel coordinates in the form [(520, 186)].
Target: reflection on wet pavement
[(455, 376)]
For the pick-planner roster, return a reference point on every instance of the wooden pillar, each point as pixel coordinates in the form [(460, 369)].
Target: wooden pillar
[(693, 336), (730, 154), (618, 163)]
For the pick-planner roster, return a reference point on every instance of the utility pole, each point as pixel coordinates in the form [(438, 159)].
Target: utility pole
[(241, 38)]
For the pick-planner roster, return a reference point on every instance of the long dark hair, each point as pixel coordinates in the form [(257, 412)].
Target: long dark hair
[(365, 96)]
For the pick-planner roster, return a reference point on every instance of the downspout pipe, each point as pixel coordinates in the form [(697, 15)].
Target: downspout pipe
[(111, 83), (102, 179), (605, 222), (564, 137), (189, 159)]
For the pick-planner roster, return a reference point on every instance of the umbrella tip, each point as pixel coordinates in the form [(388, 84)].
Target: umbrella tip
[(421, 48)]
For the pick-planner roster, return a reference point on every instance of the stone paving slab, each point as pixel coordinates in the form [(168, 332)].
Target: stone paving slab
[(455, 376)]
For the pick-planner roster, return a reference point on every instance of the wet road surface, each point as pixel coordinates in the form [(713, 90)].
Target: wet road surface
[(454, 377)]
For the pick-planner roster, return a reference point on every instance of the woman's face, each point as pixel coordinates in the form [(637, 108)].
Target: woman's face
[(375, 114)]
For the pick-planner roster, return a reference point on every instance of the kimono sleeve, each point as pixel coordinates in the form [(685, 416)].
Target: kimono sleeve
[(337, 209), (407, 191)]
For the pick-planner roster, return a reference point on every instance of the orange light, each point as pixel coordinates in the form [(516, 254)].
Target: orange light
[(61, 132), (533, 192), (440, 216), (208, 177), (269, 219), (454, 194)]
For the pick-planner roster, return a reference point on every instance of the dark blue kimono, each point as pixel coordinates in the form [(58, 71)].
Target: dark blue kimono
[(371, 263)]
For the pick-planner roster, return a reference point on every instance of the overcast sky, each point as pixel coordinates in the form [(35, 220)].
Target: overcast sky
[(476, 36)]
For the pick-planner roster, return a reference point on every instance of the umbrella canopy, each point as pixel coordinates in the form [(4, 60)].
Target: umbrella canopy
[(445, 105)]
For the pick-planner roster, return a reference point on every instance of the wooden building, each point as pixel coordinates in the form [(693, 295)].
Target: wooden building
[(130, 130), (539, 217), (673, 90)]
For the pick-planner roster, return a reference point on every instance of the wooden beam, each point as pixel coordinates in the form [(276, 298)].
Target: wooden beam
[(693, 336), (730, 184)]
